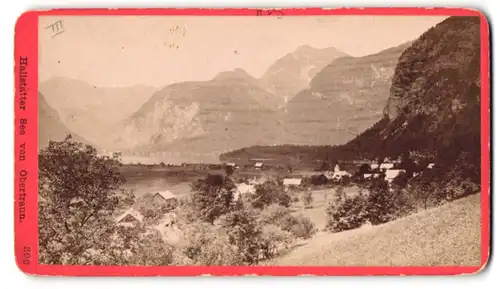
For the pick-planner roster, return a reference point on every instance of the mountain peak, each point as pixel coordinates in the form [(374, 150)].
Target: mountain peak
[(237, 73)]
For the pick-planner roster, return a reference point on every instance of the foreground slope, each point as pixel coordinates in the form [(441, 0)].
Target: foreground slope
[(449, 235)]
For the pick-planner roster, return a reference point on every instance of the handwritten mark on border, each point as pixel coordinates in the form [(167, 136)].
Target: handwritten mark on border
[(270, 12), (57, 28)]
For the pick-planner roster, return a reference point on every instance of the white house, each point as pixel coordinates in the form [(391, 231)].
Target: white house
[(258, 166), (373, 166), (430, 166), (292, 182), (337, 175), (337, 168), (386, 166), (243, 189), (370, 176), (129, 217), (391, 174)]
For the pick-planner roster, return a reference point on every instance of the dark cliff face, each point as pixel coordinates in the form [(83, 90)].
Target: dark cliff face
[(434, 102), (438, 69)]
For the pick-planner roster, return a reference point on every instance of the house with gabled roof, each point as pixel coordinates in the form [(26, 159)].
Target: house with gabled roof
[(166, 197), (129, 217)]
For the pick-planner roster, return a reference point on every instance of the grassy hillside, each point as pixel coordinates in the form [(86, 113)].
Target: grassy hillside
[(449, 235)]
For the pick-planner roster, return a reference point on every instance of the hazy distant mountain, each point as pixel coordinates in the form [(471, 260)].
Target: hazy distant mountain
[(91, 110), (50, 126), (294, 71), (344, 98), (208, 117)]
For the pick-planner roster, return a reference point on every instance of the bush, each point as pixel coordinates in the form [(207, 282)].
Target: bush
[(346, 214), (318, 180), (299, 226), (245, 234), (307, 199), (275, 240), (207, 246)]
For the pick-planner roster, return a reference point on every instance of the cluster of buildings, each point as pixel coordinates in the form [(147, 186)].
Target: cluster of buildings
[(167, 224), (389, 170)]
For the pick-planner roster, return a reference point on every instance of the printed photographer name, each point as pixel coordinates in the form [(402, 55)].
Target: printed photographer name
[(23, 177), (23, 84)]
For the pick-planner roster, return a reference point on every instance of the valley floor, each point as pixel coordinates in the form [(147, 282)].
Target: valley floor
[(442, 236)]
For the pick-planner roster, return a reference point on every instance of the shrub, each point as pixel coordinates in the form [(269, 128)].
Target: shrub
[(273, 214), (318, 180), (307, 199), (346, 213), (207, 246), (299, 226), (275, 241), (245, 234)]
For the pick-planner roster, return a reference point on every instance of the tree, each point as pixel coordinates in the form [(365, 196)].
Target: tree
[(381, 207), (77, 198), (229, 170), (268, 193), (363, 169), (213, 197), (409, 165)]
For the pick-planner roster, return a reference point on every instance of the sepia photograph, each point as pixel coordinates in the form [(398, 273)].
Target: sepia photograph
[(321, 140)]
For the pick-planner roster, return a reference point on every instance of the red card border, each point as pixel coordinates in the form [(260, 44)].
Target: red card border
[(26, 232)]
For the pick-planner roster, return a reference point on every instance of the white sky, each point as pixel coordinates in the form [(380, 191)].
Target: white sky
[(132, 50)]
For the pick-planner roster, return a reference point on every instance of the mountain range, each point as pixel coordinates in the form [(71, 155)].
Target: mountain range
[(50, 126), (92, 111), (433, 105), (308, 97)]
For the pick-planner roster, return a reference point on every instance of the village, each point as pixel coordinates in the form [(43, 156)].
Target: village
[(162, 205)]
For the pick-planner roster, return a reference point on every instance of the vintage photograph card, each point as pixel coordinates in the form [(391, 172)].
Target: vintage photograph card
[(282, 142)]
